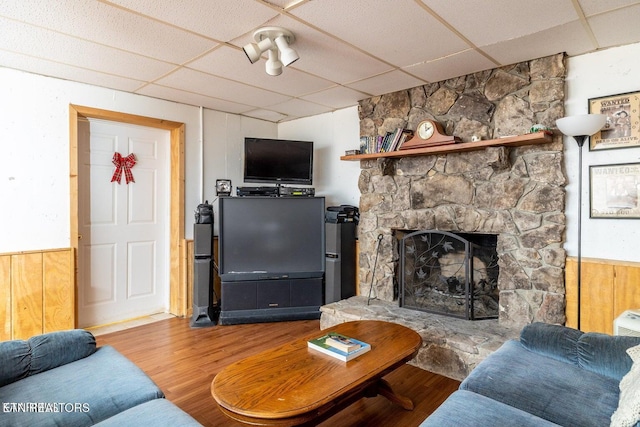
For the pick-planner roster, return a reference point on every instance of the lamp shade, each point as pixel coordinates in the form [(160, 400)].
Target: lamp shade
[(581, 125)]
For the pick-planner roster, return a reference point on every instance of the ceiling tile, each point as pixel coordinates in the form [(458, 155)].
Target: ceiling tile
[(337, 97), (463, 63), (484, 22), (57, 47), (271, 116), (233, 64), (67, 72), (400, 32), (112, 26), (221, 20), (570, 38), (216, 87), (300, 108), (387, 83), (623, 19), (196, 99), (591, 7)]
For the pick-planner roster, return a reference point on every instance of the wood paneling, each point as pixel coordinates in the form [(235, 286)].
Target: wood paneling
[(607, 289), (26, 294), (38, 293), (59, 296), (5, 297)]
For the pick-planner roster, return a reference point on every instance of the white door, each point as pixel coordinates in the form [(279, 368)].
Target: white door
[(123, 252)]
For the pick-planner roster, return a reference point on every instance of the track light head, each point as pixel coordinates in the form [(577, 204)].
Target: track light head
[(287, 55), (273, 65), (254, 50)]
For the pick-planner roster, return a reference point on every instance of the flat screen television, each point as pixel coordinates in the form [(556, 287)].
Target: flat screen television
[(278, 161), (271, 238)]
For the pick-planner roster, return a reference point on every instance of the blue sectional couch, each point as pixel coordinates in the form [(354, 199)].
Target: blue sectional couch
[(62, 379), (552, 376)]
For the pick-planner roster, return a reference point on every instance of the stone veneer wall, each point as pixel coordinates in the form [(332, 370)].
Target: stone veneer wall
[(517, 193)]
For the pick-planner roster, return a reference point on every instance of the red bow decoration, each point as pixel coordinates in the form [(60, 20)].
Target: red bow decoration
[(123, 163)]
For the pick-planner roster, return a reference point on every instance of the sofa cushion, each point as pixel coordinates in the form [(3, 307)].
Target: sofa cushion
[(55, 349), (465, 408), (555, 341), (606, 354), (16, 357), (157, 412), (628, 412), (83, 393), (22, 358), (556, 391)]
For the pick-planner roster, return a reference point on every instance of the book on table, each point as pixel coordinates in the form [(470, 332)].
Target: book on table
[(339, 346)]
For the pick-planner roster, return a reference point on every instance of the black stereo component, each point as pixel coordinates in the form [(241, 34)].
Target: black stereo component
[(342, 213), (257, 191), (295, 191)]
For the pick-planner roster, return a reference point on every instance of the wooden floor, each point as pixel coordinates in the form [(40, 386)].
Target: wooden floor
[(183, 361)]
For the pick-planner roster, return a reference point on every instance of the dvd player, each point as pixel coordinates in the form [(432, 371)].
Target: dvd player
[(295, 191), (257, 191)]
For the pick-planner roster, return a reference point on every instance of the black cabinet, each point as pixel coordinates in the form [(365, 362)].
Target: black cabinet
[(271, 300)]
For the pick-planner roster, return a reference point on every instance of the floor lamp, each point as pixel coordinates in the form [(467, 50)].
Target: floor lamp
[(580, 127)]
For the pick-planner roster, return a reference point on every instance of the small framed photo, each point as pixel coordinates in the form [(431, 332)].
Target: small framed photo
[(622, 129), (615, 191)]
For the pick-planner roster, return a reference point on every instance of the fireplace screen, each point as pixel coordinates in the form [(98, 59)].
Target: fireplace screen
[(451, 274)]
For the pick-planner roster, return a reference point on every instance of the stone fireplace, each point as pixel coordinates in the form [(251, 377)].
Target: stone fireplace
[(516, 194)]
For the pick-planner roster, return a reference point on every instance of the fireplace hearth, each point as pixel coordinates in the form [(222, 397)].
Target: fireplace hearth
[(446, 273)]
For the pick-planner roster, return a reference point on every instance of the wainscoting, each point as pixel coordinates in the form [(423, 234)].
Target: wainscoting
[(608, 288), (37, 292)]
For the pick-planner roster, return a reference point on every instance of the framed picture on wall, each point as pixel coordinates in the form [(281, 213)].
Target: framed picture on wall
[(622, 129), (615, 191)]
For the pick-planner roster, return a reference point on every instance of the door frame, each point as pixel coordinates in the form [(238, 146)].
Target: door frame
[(177, 244)]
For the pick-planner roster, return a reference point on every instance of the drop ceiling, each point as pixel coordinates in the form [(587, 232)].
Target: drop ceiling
[(190, 51)]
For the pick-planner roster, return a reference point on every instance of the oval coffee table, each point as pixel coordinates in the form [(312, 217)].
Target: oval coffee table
[(294, 385)]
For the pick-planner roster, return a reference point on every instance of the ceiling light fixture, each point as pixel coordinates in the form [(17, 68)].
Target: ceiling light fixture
[(276, 42)]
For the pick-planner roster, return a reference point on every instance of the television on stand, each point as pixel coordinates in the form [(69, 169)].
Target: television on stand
[(278, 161), (271, 258)]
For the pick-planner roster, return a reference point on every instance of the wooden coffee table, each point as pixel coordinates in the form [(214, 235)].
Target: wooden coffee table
[(294, 385)]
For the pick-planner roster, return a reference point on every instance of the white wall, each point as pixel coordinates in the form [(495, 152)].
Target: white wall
[(608, 72), (332, 134), (34, 163)]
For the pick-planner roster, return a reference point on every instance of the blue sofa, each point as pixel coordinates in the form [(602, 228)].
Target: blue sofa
[(62, 379), (552, 376)]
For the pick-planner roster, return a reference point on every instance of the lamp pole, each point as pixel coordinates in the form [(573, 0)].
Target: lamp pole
[(580, 140)]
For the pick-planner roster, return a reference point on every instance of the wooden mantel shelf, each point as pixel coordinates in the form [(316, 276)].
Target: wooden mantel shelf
[(541, 137)]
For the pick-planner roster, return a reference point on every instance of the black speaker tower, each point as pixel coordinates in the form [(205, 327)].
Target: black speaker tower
[(205, 312), (340, 273)]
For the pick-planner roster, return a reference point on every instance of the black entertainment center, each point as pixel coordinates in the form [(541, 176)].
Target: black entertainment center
[(272, 240), (272, 258)]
